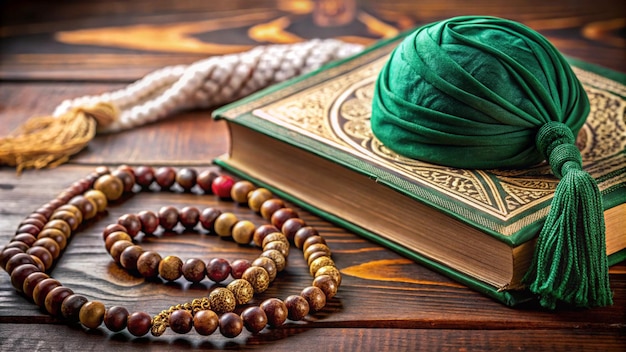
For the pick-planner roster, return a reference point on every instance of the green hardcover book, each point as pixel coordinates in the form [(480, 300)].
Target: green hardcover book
[(309, 140)]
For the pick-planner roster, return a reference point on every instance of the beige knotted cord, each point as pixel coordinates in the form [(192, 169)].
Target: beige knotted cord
[(48, 141)]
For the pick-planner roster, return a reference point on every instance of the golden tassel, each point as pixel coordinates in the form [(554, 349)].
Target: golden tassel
[(48, 141)]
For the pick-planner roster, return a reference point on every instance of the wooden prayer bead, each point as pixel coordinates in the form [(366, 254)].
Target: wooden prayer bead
[(257, 277), (72, 209), (257, 197), (327, 284), (18, 260), (91, 314), (224, 224), (7, 254), (42, 289), (186, 178), (274, 236), (87, 206), (280, 216), (311, 241), (139, 323), (270, 206), (238, 267), (222, 300), (291, 226), (277, 257), (261, 232), (181, 321), (205, 180), (132, 223), (38, 263), (205, 322), (319, 263), (194, 270), (17, 244), (55, 299), (243, 231), (170, 268), (70, 308), (20, 273), (111, 186), (189, 217), (165, 177), (144, 176), (315, 297), (268, 265), (218, 269), (242, 290), (116, 318), (127, 178), (28, 228), (26, 238), (31, 221), (114, 237), (71, 218), (118, 248), (332, 271), (112, 228), (149, 221), (59, 225), (280, 246), (129, 257), (276, 311), (231, 325), (254, 319), (297, 307), (31, 281), (240, 191), (148, 264), (314, 256), (207, 218), (99, 199), (50, 245), (168, 217), (55, 235)]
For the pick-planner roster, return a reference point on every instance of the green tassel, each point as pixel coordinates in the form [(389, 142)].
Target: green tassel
[(570, 263)]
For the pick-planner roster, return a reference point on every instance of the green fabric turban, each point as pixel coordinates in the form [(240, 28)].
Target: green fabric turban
[(485, 92)]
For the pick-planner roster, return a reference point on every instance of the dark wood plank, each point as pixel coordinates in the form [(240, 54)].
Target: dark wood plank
[(292, 338)]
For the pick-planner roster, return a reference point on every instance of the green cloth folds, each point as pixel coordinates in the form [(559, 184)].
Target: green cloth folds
[(484, 92)]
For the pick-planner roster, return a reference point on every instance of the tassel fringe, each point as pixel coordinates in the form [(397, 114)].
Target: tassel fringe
[(48, 141)]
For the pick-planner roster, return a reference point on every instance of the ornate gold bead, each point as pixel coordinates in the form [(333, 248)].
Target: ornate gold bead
[(319, 263), (222, 300), (277, 257), (257, 277), (331, 271)]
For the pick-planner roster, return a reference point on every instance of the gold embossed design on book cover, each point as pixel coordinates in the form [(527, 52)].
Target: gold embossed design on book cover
[(336, 112)]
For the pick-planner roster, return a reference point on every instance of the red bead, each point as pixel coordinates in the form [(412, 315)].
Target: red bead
[(26, 238), (165, 177), (116, 318), (218, 269), (205, 180), (238, 267), (17, 244), (43, 254), (181, 321), (132, 224), (33, 221), (186, 178), (87, 207), (231, 325), (139, 323), (280, 216), (254, 319), (222, 185), (144, 176), (291, 226), (168, 217), (149, 221), (18, 260), (189, 217)]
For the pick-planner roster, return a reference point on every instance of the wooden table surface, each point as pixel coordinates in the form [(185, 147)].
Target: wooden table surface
[(51, 51)]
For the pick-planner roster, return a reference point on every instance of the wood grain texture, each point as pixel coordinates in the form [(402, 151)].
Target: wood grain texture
[(386, 302)]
